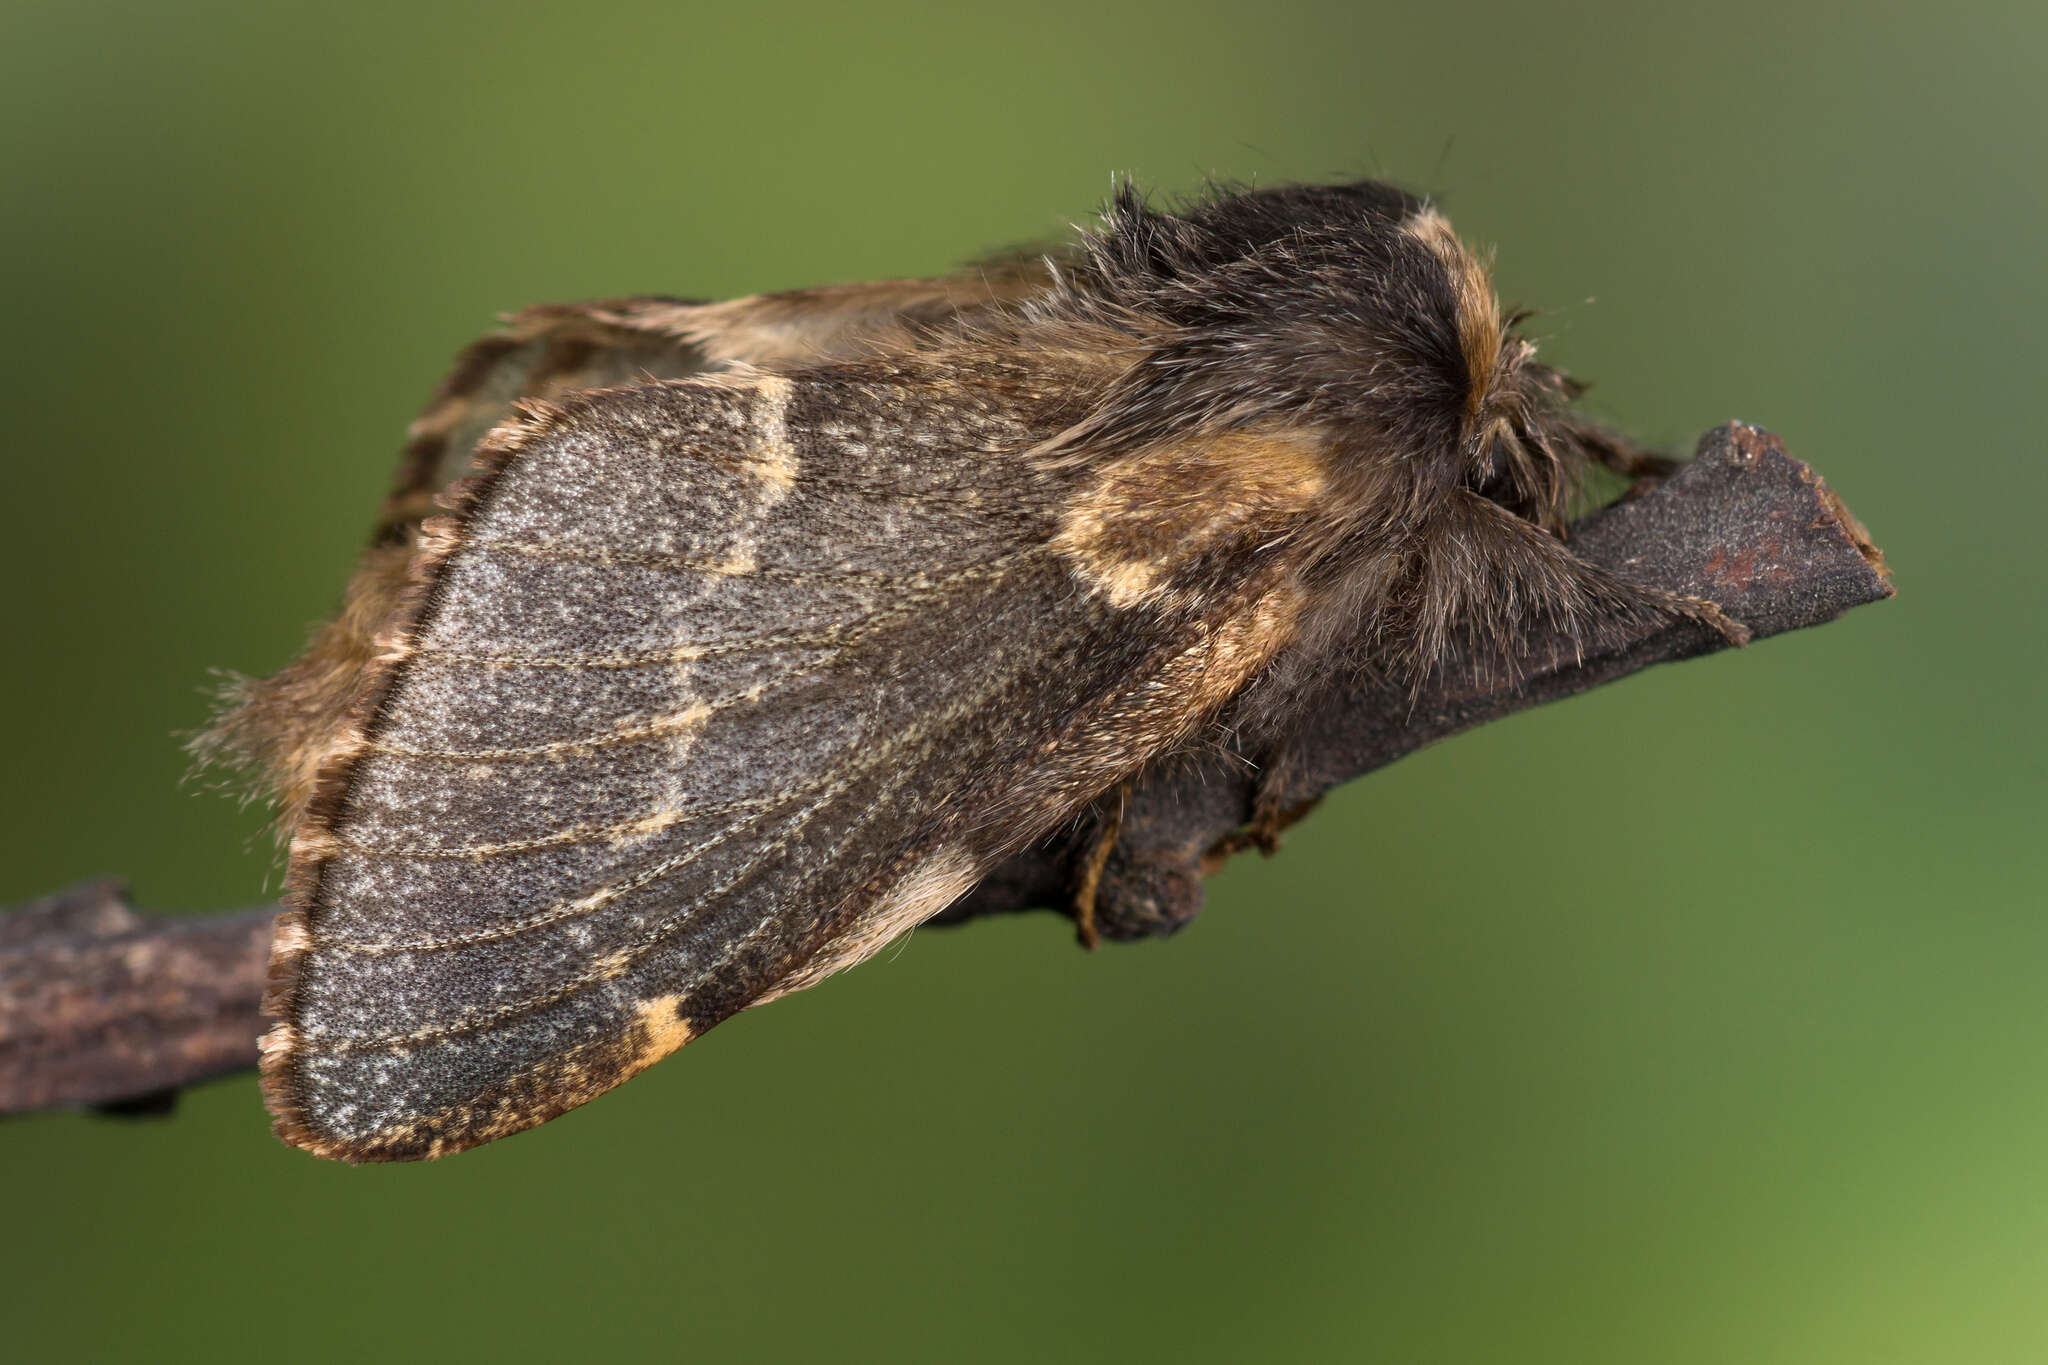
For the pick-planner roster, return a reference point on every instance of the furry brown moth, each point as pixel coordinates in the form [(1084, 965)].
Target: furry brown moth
[(749, 635)]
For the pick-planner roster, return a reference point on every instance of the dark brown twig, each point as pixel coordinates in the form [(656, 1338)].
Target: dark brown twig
[(105, 1008)]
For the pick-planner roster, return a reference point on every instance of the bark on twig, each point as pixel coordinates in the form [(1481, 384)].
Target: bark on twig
[(105, 1008)]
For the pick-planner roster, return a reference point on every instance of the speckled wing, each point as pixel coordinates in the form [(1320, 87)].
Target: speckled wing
[(704, 690), (555, 349)]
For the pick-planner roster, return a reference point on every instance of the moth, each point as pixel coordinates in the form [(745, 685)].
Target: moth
[(705, 648)]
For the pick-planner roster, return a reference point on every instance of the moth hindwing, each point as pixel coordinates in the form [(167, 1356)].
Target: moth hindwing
[(709, 685)]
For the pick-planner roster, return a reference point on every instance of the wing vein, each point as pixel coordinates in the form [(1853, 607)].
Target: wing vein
[(851, 632), (616, 963), (687, 564), (834, 782)]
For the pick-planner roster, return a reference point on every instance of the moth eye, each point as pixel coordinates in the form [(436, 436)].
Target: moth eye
[(1489, 473)]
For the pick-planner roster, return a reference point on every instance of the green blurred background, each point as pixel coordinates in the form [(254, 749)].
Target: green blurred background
[(1700, 1019)]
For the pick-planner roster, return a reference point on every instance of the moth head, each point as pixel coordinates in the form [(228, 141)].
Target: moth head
[(1512, 447), (1355, 310), (1519, 450)]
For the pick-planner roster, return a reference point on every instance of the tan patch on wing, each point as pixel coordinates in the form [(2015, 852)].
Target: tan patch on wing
[(1481, 328), (930, 887), (661, 1029), (1215, 666), (774, 457), (1248, 641), (742, 562), (1151, 512)]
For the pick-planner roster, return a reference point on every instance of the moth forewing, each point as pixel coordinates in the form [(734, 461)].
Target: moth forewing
[(651, 748)]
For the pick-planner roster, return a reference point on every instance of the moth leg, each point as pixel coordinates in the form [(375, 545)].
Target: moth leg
[(1619, 453), (1095, 857), (1701, 610), (1276, 803), (1496, 569)]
